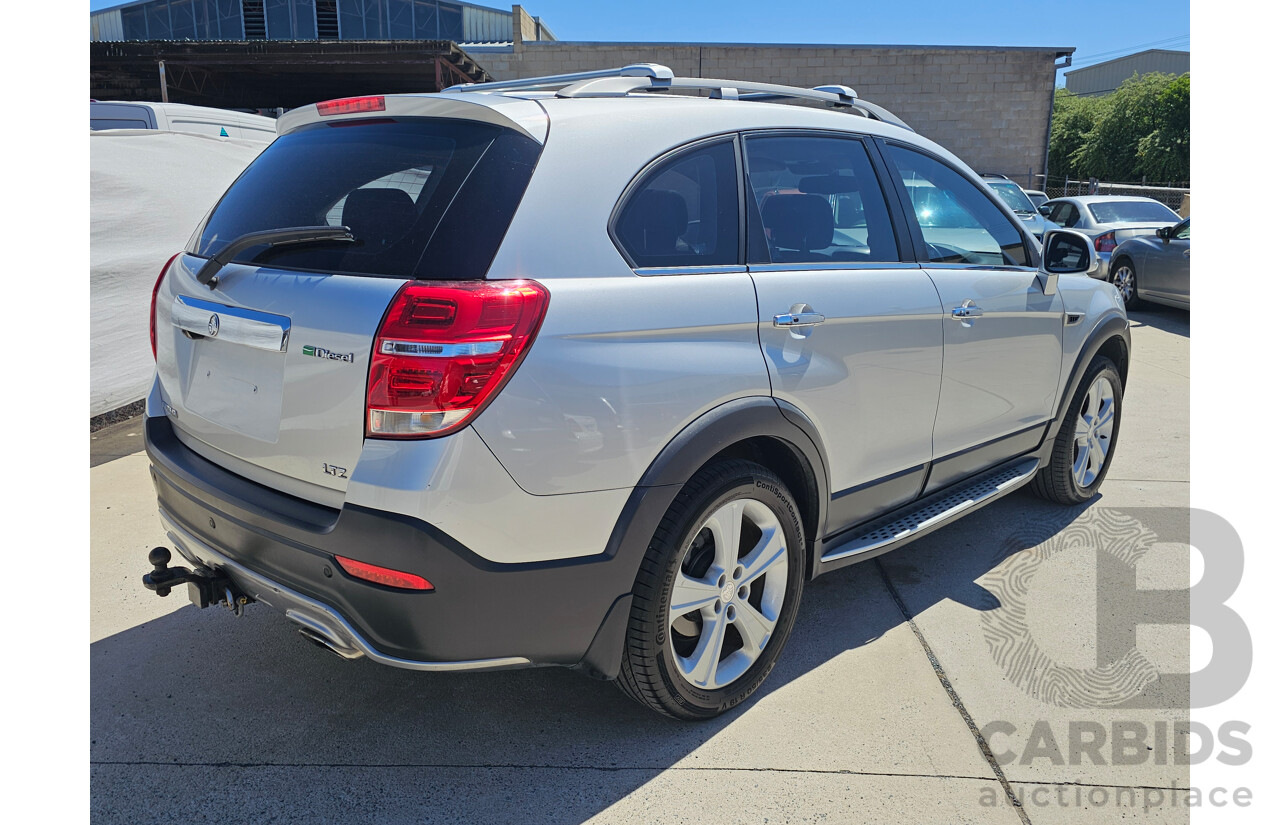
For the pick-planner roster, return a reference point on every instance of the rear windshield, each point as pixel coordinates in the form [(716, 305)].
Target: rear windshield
[(1131, 212), (424, 198)]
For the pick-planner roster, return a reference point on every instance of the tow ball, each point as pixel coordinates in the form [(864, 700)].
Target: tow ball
[(205, 587)]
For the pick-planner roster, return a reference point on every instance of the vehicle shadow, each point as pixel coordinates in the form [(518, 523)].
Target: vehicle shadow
[(200, 714), (1166, 319)]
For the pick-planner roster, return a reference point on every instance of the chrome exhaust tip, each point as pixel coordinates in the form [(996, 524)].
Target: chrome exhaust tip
[(316, 633)]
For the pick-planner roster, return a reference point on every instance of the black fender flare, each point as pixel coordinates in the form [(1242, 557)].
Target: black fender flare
[(691, 448), (1113, 326)]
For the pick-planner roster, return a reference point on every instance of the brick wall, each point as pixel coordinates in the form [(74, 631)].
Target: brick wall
[(988, 105)]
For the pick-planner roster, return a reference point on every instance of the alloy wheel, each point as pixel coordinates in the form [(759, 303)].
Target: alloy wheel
[(1094, 428), (728, 594)]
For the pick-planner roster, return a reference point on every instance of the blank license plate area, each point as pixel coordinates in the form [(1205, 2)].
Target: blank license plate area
[(237, 387)]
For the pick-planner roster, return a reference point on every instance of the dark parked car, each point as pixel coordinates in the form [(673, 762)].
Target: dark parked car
[(1155, 268)]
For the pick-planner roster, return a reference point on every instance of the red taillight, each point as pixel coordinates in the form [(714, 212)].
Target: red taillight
[(351, 105), (1105, 242), (383, 575), (444, 350), (155, 290)]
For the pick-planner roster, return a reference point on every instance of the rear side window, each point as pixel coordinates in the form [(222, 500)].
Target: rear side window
[(684, 212), (424, 198), (819, 200), (1064, 214), (959, 222)]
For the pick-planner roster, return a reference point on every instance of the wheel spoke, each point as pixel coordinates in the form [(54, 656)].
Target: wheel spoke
[(706, 657), (765, 555), (754, 627), (1080, 469), (1097, 456), (1082, 427), (725, 525), (1105, 417), (689, 594)]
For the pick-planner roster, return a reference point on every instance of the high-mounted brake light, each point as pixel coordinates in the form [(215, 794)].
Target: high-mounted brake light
[(383, 575), (351, 105), (1106, 242), (155, 290), (444, 350)]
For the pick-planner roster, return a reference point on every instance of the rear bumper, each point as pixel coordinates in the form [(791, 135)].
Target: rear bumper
[(481, 615)]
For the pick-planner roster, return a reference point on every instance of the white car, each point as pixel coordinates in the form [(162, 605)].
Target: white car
[(180, 117)]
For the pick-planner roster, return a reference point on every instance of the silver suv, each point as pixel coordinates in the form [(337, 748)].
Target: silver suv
[(598, 370)]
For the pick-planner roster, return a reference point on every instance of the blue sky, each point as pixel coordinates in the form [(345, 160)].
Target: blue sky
[(1098, 30)]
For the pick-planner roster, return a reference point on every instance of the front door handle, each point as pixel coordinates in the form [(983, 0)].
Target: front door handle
[(801, 316), (798, 319), (966, 310)]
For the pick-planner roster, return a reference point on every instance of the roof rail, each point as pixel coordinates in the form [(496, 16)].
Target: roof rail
[(649, 70), (652, 77)]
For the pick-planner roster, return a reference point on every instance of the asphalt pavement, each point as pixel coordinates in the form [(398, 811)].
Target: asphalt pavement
[(961, 679)]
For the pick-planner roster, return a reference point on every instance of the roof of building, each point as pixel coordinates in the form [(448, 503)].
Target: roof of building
[(1128, 58)]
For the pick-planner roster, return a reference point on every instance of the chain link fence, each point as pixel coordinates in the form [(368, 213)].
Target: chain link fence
[(1175, 195)]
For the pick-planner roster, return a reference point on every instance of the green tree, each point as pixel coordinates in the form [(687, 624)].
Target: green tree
[(1073, 119), (1165, 154), (1142, 128)]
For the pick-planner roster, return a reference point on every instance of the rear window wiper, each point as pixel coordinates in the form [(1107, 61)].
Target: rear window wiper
[(208, 273)]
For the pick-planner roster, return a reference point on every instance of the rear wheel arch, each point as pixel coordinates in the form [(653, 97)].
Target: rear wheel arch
[(759, 427)]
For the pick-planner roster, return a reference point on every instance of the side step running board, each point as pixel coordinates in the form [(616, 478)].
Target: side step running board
[(930, 513)]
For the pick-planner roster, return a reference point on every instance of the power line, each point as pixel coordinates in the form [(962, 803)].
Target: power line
[(1152, 44)]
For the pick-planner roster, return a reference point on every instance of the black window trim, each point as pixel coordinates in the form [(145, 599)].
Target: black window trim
[(671, 155), (921, 249), (897, 218)]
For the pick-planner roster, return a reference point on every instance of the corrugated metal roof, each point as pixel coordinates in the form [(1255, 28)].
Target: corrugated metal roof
[(1106, 77)]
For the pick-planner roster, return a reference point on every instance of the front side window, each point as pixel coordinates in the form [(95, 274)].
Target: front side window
[(684, 212), (819, 200), (959, 222), (1183, 232)]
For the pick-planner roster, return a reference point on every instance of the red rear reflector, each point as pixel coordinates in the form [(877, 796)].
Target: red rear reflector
[(155, 290), (383, 575), (444, 350), (1106, 242), (352, 105)]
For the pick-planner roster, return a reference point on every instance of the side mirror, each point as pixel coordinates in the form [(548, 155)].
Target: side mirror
[(1164, 233), (1043, 209), (1065, 253)]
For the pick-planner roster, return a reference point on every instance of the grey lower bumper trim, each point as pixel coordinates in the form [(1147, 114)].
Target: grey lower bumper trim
[(317, 620)]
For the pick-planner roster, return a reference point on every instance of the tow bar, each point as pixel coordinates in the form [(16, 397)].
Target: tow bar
[(205, 587)]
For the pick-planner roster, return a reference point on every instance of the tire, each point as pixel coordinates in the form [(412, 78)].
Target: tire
[(1125, 278), (670, 662), (1069, 478)]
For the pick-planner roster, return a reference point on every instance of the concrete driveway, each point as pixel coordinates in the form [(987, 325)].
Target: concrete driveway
[(906, 694)]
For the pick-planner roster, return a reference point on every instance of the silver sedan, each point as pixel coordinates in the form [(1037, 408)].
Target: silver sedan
[(1109, 220), (1155, 268)]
